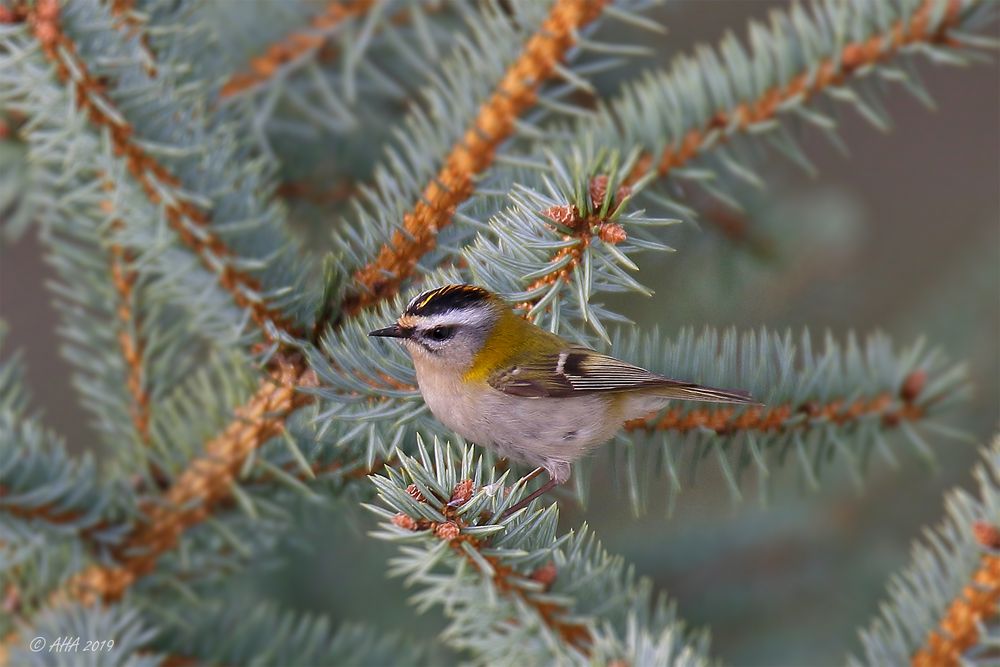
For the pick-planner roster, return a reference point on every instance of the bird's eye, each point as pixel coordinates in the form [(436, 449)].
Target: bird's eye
[(440, 333)]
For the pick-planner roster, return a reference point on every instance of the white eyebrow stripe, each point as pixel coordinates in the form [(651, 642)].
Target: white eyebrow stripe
[(465, 316)]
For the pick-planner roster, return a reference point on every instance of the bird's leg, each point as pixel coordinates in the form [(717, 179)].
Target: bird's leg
[(524, 502)]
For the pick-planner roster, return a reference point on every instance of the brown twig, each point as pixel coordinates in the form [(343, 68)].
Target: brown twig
[(123, 277), (201, 488), (453, 184), (960, 626), (129, 339), (505, 578), (831, 72), (205, 482), (778, 418), (293, 46), (49, 514), (147, 171)]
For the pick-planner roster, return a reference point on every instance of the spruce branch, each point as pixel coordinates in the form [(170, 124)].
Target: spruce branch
[(55, 511), (927, 24), (129, 632), (475, 152), (975, 606), (942, 608), (205, 483), (320, 116), (551, 598), (702, 121), (264, 634), (379, 393), (846, 399), (161, 186), (293, 46), (780, 419), (129, 341), (553, 250), (38, 479), (42, 484), (123, 277)]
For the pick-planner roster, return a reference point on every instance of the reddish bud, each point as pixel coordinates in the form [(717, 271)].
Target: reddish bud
[(546, 574), (913, 385), (598, 191), (461, 493), (565, 214), (986, 534), (447, 531), (405, 522), (611, 232), (415, 493)]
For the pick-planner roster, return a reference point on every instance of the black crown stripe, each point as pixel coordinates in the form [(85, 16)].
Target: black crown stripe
[(443, 299)]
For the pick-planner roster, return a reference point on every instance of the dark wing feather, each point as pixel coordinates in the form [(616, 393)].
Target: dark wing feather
[(579, 371)]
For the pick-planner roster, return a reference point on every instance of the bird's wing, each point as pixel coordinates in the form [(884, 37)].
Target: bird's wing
[(578, 371)]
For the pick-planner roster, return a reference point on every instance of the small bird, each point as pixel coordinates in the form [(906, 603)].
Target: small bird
[(500, 381)]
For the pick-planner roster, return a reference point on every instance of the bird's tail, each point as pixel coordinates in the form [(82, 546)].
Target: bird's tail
[(689, 391)]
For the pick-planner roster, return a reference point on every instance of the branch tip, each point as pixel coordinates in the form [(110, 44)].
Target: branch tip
[(293, 46), (473, 154), (830, 72), (147, 171)]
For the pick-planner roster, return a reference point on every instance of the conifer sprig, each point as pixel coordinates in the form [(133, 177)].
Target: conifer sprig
[(124, 625), (925, 23), (942, 609), (293, 46), (567, 236), (475, 152), (129, 343), (206, 481), (556, 249), (130, 337), (842, 402), (249, 280), (265, 634), (703, 121), (183, 215), (55, 512), (547, 594)]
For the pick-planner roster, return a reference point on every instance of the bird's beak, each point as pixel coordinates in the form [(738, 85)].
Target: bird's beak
[(395, 331)]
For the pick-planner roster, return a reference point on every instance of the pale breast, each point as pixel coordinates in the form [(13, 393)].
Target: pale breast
[(452, 404), (538, 431)]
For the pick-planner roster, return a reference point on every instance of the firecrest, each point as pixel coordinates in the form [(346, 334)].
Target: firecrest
[(500, 381)]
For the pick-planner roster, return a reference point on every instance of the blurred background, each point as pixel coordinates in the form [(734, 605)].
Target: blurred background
[(902, 235)]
